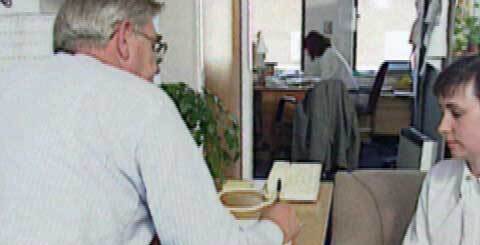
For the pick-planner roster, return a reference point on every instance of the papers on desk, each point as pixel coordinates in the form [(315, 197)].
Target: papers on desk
[(403, 93), (300, 181), (275, 82), (290, 82)]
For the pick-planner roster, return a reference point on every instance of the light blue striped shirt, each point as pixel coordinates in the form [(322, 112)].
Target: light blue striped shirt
[(90, 154)]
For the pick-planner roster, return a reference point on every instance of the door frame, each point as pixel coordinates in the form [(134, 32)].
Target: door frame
[(246, 113)]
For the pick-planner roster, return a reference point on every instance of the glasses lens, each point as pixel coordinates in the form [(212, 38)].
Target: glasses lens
[(160, 48)]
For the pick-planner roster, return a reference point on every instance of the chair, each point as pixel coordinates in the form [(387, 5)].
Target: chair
[(370, 107), (374, 207), (325, 128), (282, 129), (416, 150)]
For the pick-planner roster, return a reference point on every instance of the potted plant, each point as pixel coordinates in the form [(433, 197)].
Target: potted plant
[(211, 126), (467, 28)]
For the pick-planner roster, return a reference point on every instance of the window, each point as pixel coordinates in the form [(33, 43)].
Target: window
[(383, 30), (280, 22)]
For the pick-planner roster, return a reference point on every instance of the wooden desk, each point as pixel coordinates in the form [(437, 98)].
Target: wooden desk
[(393, 113), (268, 99), (266, 102), (315, 217)]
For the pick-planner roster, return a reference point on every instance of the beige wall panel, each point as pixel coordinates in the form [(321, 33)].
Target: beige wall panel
[(222, 56)]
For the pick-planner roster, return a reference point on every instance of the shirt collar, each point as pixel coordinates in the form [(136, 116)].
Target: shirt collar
[(467, 174), (467, 179)]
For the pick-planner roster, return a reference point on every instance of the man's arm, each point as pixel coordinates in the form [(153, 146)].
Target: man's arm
[(180, 192), (284, 216)]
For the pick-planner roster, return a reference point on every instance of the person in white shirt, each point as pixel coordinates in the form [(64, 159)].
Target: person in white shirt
[(326, 62), (448, 207), (92, 152)]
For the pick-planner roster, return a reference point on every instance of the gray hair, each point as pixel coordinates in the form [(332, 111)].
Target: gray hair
[(91, 23)]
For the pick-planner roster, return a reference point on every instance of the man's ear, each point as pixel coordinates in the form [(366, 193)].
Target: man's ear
[(124, 32)]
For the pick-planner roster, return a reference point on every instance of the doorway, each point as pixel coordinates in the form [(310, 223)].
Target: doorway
[(280, 22)]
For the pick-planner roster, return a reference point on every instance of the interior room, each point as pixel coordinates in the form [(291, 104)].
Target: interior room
[(364, 49), (361, 150)]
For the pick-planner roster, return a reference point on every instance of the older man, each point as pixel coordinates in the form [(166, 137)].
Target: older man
[(92, 153)]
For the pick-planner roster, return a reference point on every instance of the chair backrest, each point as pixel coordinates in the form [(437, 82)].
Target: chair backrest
[(325, 127), (377, 87), (378, 83), (416, 150), (429, 110), (374, 207)]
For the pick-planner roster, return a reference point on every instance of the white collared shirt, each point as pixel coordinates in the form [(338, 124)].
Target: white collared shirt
[(332, 66), (448, 210), (90, 154)]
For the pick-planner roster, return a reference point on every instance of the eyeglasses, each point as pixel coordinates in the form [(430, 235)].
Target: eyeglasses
[(6, 3), (159, 47)]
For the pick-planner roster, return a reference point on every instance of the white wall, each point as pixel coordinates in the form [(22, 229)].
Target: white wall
[(21, 6), (180, 24), (277, 20), (318, 12), (343, 32), (25, 35), (50, 6)]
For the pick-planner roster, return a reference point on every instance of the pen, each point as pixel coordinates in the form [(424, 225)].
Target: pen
[(279, 189)]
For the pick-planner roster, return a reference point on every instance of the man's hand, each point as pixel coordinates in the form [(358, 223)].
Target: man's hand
[(284, 216)]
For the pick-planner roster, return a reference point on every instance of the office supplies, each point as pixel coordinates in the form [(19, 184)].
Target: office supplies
[(245, 203), (238, 185), (279, 190), (299, 182)]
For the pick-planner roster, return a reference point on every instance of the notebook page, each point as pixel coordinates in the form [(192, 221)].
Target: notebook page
[(300, 181)]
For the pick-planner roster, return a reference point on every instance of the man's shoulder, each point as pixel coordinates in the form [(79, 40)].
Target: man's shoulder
[(112, 81), (87, 76)]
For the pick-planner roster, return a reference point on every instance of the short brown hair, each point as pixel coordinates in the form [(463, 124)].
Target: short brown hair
[(316, 43), (458, 75)]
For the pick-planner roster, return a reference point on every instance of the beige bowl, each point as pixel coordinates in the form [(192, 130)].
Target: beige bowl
[(245, 204)]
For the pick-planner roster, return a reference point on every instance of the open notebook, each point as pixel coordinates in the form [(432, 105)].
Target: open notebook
[(300, 181)]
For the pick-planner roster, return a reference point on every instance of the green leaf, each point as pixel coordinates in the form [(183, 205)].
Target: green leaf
[(210, 125)]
